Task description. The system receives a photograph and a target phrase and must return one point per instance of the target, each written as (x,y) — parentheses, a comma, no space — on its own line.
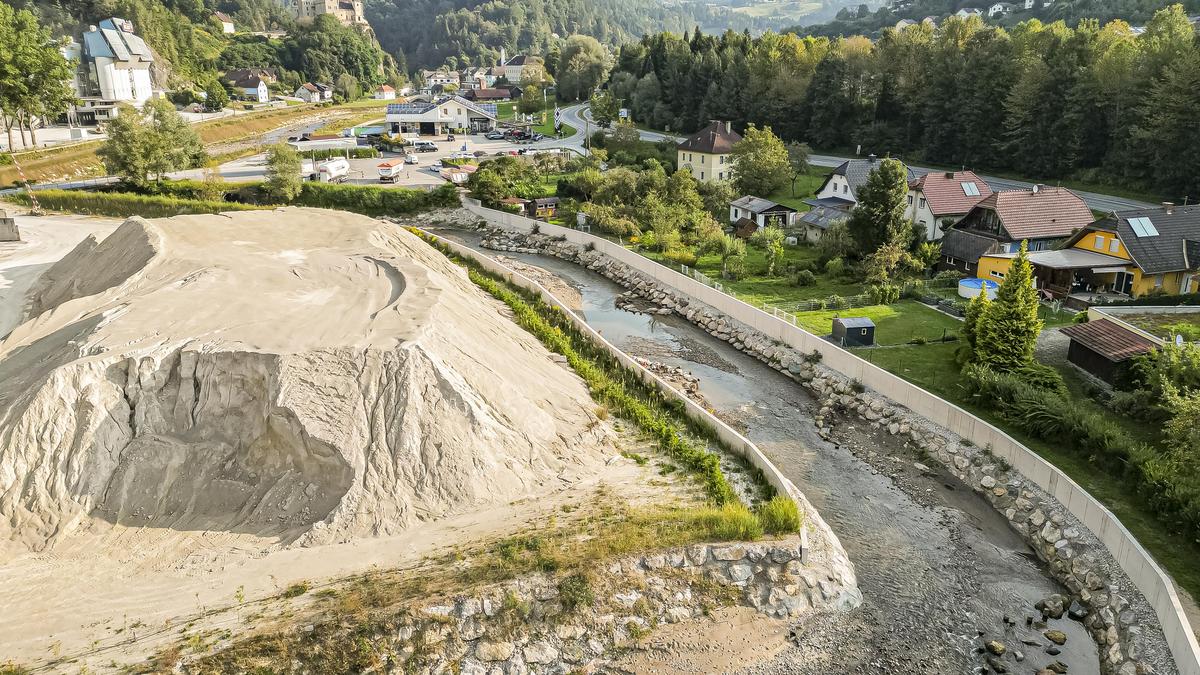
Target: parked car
(449,138)
(494,135)
(537,137)
(425,146)
(410,159)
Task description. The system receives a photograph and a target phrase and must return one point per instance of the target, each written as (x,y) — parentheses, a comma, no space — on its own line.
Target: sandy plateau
(205,406)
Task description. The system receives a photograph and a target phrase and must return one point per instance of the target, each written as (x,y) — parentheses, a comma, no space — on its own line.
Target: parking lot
(365,171)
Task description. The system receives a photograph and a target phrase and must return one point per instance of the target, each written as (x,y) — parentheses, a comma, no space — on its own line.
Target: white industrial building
(114,68)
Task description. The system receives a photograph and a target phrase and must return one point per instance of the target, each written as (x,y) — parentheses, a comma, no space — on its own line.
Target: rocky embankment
(1122,624)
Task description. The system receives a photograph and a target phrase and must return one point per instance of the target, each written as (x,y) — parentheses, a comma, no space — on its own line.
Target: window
(701,159)
(701,175)
(970,189)
(1098,244)
(1158,280)
(922,202)
(736,214)
(1114,246)
(910,200)
(845,189)
(721,176)
(722,159)
(1142,227)
(998,275)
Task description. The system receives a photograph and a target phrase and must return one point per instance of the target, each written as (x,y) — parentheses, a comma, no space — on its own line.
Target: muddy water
(940,571)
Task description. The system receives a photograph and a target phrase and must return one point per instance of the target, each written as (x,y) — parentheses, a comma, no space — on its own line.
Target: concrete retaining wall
(821,547)
(1124,547)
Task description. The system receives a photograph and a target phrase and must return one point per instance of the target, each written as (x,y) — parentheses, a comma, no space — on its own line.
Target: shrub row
(1169,483)
(375,201)
(360,152)
(125,204)
(624,392)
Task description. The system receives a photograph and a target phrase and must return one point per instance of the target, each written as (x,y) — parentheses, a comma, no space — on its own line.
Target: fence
(1124,547)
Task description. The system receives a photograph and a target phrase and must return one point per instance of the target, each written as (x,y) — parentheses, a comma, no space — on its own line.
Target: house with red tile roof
(939,199)
(1042,216)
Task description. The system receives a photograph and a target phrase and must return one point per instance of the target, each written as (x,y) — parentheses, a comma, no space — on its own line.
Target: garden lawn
(894,324)
(806,186)
(933,368)
(757,288)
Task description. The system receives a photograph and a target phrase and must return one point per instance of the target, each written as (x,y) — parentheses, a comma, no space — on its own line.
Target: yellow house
(706,153)
(1128,254)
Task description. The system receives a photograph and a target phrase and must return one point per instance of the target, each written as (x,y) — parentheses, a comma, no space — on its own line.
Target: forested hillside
(856,21)
(429,33)
(191,48)
(1043,100)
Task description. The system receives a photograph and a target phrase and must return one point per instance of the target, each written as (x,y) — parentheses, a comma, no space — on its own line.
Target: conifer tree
(1006,332)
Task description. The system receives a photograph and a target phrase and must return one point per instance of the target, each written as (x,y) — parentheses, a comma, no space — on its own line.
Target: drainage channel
(940,571)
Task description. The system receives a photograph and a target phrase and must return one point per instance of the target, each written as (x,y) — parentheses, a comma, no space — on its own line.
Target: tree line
(1099,103)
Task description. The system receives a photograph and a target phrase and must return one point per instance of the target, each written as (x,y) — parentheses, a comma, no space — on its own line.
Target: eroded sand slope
(290,377)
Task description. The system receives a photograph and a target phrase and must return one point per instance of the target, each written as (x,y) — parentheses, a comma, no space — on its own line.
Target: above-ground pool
(969,288)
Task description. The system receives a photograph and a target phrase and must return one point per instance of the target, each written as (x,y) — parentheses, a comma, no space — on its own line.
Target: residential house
(326,90)
(931,20)
(967,12)
(813,223)
(439,78)
(445,115)
(1000,9)
(488,94)
(113,68)
(1128,254)
(515,67)
(308,92)
(1030,4)
(225,21)
(385,93)
(940,199)
(761,212)
(841,186)
(250,87)
(267,74)
(541,208)
(706,153)
(998,224)
(905,23)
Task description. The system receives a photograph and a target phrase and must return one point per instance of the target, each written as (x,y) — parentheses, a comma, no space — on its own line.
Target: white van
(424,146)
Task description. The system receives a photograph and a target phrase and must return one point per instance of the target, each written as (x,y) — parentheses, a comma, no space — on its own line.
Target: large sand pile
(290,377)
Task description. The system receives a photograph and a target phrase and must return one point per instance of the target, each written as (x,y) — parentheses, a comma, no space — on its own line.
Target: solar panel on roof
(1142,227)
(970,189)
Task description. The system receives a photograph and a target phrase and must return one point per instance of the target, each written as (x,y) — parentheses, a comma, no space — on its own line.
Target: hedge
(359,152)
(1169,482)
(125,204)
(375,201)
(1158,301)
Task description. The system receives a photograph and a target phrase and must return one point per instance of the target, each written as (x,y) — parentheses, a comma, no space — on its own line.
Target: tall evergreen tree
(1006,332)
(879,216)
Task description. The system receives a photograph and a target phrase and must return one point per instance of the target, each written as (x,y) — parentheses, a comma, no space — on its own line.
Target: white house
(999,9)
(514,68)
(443,116)
(251,87)
(226,22)
(385,93)
(939,199)
(761,212)
(434,78)
(308,92)
(905,23)
(1030,4)
(114,68)
(841,187)
(968,12)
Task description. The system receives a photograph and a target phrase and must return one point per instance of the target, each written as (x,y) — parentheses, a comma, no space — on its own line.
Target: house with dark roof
(514,68)
(840,189)
(940,199)
(248,86)
(1128,254)
(488,94)
(998,224)
(759,213)
(706,153)
(441,116)
(113,68)
(814,222)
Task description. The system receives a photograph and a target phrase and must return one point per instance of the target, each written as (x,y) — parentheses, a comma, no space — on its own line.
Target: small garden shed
(854,331)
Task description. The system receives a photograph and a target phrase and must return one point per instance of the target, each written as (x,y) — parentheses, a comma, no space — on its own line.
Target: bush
(575,591)
(947,276)
(361,152)
(125,204)
(731,522)
(736,267)
(680,256)
(884,294)
(804,278)
(1041,376)
(375,201)
(835,267)
(779,516)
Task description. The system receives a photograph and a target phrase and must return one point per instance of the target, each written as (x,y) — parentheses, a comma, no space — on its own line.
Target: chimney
(1038,187)
(92,29)
(871,158)
(949,174)
(728,127)
(1169,207)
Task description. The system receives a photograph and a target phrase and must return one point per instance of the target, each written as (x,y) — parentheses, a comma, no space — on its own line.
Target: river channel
(940,571)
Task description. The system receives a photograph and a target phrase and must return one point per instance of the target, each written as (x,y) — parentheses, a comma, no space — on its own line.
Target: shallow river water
(939,569)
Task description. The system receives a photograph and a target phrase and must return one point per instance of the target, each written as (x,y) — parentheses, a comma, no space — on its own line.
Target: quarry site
(301,440)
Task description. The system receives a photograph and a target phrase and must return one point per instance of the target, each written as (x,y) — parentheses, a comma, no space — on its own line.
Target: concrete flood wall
(1137,563)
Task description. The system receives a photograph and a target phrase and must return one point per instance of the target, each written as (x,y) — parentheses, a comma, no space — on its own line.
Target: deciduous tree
(760,162)
(283,172)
